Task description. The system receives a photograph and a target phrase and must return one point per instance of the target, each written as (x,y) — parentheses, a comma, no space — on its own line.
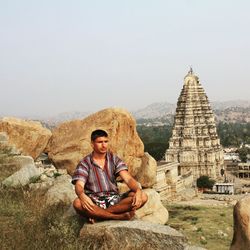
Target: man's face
(100,145)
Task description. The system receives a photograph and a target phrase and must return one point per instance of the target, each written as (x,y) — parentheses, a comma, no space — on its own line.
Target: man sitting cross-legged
(96,187)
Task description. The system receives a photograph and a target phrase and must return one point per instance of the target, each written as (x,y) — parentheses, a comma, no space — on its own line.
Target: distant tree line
(233,134)
(156,138)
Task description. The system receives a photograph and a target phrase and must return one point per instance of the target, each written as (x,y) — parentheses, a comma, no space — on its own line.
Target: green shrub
(205,182)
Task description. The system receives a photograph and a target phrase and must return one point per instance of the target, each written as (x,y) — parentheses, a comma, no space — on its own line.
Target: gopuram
(194,143)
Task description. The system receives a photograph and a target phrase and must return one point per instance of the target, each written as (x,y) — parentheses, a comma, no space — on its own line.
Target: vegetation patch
(155,139)
(25,216)
(26,222)
(203,225)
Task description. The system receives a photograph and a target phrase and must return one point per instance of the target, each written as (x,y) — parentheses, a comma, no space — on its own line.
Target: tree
(243,152)
(205,182)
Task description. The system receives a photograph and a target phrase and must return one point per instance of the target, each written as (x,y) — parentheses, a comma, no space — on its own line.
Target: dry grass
(203,226)
(26,223)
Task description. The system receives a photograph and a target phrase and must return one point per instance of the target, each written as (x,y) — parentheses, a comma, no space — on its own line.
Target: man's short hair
(98,133)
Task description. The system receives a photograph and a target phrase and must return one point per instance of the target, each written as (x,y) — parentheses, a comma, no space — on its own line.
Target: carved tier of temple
(194,142)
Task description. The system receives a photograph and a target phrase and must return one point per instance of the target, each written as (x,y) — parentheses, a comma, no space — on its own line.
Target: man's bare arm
(134,186)
(86,202)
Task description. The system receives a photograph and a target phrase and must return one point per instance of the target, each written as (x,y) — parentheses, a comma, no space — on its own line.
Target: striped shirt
(96,179)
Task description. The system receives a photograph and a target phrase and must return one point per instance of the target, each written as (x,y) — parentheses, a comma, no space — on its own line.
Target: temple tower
(194,142)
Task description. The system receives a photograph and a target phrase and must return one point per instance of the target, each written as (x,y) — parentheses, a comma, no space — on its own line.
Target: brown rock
(29,137)
(147,174)
(71,141)
(241,237)
(134,234)
(153,211)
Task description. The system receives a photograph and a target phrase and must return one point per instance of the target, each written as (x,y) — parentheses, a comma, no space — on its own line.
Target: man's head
(98,133)
(99,141)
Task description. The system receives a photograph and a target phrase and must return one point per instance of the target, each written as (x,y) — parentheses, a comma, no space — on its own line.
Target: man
(96,187)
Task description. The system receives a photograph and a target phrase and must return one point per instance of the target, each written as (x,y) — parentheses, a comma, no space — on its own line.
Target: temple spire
(194,142)
(190,71)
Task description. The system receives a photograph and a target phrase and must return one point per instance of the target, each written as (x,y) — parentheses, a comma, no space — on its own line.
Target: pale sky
(59,56)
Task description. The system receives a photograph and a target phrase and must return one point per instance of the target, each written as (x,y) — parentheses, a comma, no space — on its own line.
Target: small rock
(62,171)
(43,177)
(50,173)
(203,238)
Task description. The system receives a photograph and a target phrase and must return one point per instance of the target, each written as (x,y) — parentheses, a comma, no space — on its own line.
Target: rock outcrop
(153,211)
(62,191)
(29,137)
(71,141)
(241,237)
(23,176)
(131,235)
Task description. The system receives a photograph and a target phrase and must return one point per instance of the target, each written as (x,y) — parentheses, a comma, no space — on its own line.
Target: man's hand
(137,199)
(134,186)
(86,202)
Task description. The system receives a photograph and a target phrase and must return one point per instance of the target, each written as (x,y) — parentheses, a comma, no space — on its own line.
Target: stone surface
(62,191)
(194,142)
(7,150)
(29,137)
(134,235)
(241,236)
(153,211)
(71,141)
(21,160)
(194,248)
(147,174)
(3,137)
(188,194)
(23,176)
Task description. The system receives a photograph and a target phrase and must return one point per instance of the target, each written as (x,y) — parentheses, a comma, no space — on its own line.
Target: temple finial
(190,71)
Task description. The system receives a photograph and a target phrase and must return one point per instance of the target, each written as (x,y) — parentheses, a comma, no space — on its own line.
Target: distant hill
(162,112)
(155,110)
(230,104)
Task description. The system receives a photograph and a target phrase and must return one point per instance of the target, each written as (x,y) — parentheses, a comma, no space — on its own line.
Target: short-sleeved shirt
(96,179)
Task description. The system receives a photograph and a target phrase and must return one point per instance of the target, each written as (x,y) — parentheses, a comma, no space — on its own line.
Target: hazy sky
(58,55)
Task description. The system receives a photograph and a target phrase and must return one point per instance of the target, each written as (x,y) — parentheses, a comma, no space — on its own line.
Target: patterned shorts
(107,200)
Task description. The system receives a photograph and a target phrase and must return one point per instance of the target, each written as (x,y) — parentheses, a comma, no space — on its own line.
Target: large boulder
(147,173)
(241,237)
(25,175)
(131,235)
(61,192)
(29,137)
(153,211)
(70,141)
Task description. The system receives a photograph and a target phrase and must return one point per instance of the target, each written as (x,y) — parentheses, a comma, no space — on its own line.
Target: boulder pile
(29,137)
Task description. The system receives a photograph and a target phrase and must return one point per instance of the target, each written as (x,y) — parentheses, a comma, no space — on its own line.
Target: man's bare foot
(127,215)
